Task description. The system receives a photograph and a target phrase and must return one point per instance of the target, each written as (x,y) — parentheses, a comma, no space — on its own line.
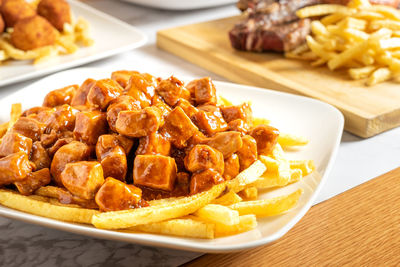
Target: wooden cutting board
(359,227)
(367,110)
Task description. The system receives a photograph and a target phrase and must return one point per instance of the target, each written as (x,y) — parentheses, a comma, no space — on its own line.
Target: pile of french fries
(67,42)
(360,37)
(226,209)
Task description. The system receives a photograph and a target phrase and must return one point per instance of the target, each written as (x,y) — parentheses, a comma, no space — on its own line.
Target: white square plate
(320,122)
(111,36)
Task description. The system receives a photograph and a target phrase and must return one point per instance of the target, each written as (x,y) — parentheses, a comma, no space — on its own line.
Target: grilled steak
(254,36)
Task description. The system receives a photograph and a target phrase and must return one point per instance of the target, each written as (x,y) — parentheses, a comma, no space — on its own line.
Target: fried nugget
(15,10)
(57,12)
(33,32)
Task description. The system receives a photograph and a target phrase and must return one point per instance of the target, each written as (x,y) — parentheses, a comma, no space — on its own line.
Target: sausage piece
(72,152)
(266,137)
(39,156)
(122,76)
(242,112)
(60,96)
(225,142)
(62,119)
(80,97)
(114,163)
(209,120)
(248,152)
(203,157)
(178,127)
(14,142)
(14,168)
(29,127)
(138,123)
(188,108)
(170,90)
(107,142)
(115,195)
(89,125)
(204,180)
(204,91)
(83,178)
(103,92)
(155,171)
(33,181)
(232,167)
(121,103)
(154,144)
(238,125)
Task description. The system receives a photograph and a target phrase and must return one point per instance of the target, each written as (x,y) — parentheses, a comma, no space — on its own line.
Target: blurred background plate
(181,4)
(111,36)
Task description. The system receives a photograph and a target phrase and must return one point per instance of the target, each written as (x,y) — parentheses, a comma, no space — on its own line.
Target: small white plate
(181,4)
(320,122)
(111,36)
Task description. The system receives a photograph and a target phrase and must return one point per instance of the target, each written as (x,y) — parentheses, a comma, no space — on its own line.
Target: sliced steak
(252,36)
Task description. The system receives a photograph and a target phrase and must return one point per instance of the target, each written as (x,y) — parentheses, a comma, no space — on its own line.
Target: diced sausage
(154,171)
(142,82)
(232,167)
(179,157)
(14,142)
(34,111)
(238,125)
(209,120)
(188,108)
(203,157)
(62,119)
(158,102)
(266,137)
(248,152)
(14,168)
(60,96)
(29,127)
(107,142)
(170,90)
(182,183)
(83,178)
(202,181)
(114,163)
(242,112)
(33,181)
(41,114)
(197,138)
(89,125)
(39,156)
(58,144)
(72,152)
(204,91)
(122,76)
(225,142)
(103,92)
(138,123)
(80,97)
(115,195)
(154,144)
(178,127)
(121,103)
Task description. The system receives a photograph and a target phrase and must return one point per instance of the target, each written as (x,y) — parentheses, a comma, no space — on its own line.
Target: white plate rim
(192,246)
(87,59)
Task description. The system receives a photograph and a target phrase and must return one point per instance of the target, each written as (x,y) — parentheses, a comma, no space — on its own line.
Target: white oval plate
(321,123)
(111,36)
(181,4)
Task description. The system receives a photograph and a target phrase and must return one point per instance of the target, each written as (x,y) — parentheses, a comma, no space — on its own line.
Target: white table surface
(23,244)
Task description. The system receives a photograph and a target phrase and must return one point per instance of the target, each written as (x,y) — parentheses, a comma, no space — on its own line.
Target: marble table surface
(22,244)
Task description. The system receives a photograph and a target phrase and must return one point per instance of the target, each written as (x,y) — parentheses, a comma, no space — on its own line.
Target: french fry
(288,140)
(318,28)
(178,207)
(3,129)
(249,193)
(306,166)
(347,55)
(295,175)
(283,166)
(185,227)
(321,10)
(247,176)
(246,223)
(268,207)
(39,207)
(259,121)
(361,73)
(223,101)
(271,164)
(379,75)
(218,214)
(227,199)
(15,113)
